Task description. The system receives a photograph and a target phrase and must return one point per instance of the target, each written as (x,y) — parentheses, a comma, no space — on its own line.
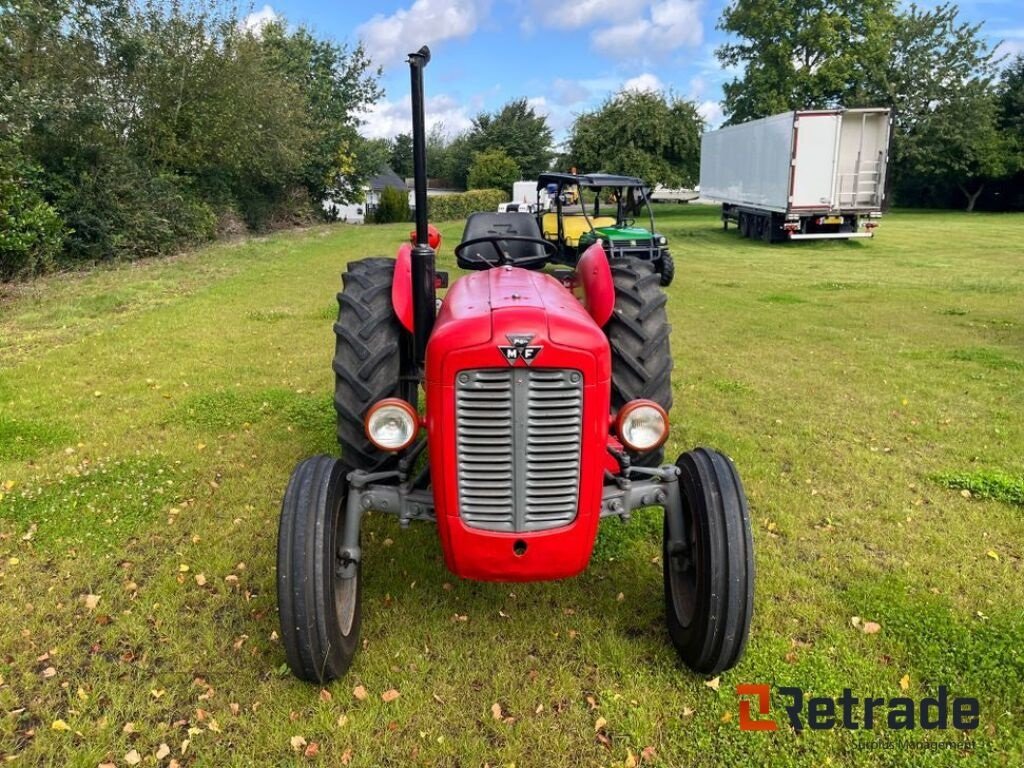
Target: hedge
(459,206)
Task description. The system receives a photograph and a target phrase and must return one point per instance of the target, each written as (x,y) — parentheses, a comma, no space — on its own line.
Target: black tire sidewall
(714,504)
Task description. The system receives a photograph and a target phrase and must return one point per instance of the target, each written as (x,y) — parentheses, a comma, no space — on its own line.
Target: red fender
(595,277)
(401,286)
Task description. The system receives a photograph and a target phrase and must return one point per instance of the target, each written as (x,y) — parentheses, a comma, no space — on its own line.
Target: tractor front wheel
(709,576)
(319,609)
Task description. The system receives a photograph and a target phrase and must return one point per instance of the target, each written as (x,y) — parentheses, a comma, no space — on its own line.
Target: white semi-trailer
(800,175)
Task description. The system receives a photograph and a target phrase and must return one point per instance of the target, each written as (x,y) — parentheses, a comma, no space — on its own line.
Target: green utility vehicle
(586,208)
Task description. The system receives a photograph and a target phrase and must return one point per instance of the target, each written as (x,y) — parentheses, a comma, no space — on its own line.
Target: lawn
(870,393)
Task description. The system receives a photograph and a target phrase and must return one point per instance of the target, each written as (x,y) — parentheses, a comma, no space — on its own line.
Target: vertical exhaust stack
(424,295)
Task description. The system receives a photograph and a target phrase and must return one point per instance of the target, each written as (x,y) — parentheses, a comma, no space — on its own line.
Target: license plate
(832,220)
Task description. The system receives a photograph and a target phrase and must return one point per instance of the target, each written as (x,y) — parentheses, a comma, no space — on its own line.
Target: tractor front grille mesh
(518,433)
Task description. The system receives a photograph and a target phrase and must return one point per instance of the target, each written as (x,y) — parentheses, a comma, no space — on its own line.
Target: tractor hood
(489,311)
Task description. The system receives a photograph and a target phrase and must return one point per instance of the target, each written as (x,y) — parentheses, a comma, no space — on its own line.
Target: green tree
(400,155)
(1011,106)
(31,232)
(493,169)
(517,130)
(640,134)
(958,143)
(798,54)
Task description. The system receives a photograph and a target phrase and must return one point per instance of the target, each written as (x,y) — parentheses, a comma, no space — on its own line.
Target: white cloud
(672,24)
(569,92)
(581,13)
(389,38)
(257,20)
(712,113)
(389,118)
(644,82)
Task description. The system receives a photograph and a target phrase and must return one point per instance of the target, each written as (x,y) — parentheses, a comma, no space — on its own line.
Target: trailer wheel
(709,584)
(668,269)
(372,355)
(638,332)
(319,611)
(744,225)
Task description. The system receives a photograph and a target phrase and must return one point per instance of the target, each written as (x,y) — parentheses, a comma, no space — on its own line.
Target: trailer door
(816,140)
(863,147)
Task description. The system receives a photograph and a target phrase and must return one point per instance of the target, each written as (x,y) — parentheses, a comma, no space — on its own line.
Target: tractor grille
(517,437)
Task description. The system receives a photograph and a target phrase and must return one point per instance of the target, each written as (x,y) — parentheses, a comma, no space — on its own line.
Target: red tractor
(546,408)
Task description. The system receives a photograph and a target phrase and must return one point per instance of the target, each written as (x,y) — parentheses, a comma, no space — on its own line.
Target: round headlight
(662,240)
(392,424)
(642,425)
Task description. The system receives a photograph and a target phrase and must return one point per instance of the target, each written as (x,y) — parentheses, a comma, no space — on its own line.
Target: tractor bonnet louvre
(518,436)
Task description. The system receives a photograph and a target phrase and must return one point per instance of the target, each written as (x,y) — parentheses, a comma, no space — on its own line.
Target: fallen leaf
(389,695)
(713,683)
(871,628)
(591,702)
(539,709)
(905,682)
(60,725)
(156,693)
(687,711)
(993,554)
(600,723)
(360,693)
(342,720)
(201,579)
(346,757)
(325,695)
(855,621)
(128,728)
(496,711)
(312,750)
(162,751)
(49,672)
(630,759)
(727,717)
(297,742)
(235,709)
(648,754)
(620,597)
(213,726)
(133,757)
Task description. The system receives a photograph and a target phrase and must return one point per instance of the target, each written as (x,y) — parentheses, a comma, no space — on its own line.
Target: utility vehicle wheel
(319,610)
(372,358)
(668,269)
(638,332)
(709,587)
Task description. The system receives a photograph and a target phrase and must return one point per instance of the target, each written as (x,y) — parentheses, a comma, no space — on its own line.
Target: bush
(450,207)
(31,232)
(493,169)
(119,209)
(393,206)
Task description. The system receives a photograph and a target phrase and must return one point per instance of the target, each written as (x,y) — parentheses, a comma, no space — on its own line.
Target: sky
(564,57)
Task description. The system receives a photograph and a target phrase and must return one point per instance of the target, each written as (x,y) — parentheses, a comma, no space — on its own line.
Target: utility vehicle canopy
(589,180)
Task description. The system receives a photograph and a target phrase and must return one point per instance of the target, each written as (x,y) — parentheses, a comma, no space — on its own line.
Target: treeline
(498,149)
(132,128)
(958,137)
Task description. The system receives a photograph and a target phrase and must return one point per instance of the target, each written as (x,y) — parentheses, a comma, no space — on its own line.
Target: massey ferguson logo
(519,348)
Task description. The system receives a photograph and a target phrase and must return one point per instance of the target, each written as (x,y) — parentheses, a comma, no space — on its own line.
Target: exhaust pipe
(424,296)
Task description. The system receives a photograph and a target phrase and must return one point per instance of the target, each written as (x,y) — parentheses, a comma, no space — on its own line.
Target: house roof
(387,178)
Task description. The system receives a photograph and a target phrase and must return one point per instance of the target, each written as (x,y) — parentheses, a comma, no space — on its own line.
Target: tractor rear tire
(319,611)
(372,355)
(638,332)
(668,269)
(709,587)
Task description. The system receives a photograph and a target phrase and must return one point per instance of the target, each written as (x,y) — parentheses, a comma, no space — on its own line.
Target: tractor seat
(574,225)
(527,255)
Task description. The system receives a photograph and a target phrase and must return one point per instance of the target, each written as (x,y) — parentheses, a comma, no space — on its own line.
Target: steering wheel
(495,241)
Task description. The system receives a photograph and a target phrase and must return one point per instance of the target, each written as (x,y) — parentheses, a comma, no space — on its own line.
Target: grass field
(871,394)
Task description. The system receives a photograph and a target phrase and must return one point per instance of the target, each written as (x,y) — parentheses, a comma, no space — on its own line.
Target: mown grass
(150,416)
